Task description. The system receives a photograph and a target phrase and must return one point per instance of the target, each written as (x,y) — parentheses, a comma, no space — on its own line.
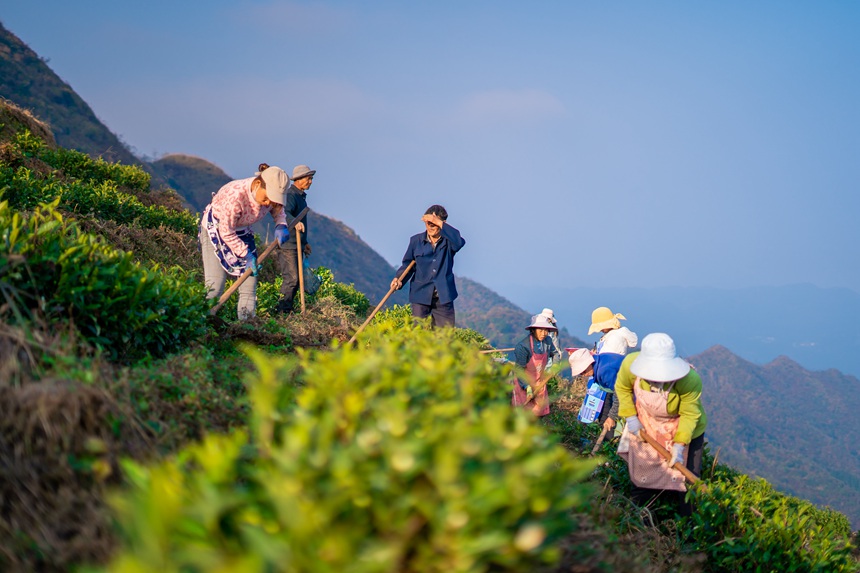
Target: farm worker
(288,262)
(616,338)
(604,369)
(226,240)
(553,334)
(659,393)
(433,290)
(532,353)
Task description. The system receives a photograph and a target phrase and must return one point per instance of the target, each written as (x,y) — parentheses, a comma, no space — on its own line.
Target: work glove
(251,263)
(677,454)
(282,234)
(634,425)
(307,249)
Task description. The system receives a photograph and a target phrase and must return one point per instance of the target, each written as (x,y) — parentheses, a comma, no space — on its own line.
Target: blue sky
(580,144)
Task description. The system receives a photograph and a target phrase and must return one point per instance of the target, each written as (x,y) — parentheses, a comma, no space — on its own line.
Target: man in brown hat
(288,262)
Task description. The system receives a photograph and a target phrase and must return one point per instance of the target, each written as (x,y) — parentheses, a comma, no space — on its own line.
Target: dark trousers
(288,267)
(643,496)
(440,314)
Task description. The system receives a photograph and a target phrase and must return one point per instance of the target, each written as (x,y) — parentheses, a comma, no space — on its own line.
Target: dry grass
(163,246)
(13,119)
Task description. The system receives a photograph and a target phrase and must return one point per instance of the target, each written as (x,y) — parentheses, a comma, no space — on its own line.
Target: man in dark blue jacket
(432,291)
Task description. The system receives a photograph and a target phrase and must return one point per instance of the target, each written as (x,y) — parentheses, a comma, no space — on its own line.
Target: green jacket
(685,400)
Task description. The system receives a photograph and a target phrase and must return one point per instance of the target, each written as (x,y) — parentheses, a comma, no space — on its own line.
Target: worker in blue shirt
(432,291)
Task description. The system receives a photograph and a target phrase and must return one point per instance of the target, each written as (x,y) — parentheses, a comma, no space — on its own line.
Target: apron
(534,369)
(647,468)
(230,262)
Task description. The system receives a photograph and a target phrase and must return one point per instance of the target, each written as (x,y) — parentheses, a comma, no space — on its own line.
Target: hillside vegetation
(138,435)
(27,80)
(795,427)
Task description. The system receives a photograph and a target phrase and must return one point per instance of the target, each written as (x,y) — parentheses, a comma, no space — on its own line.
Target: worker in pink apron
(532,354)
(659,393)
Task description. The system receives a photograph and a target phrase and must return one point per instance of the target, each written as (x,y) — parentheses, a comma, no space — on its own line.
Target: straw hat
(579,360)
(541,321)
(658,361)
(603,318)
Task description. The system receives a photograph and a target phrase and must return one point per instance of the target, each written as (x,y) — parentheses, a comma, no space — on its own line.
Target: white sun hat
(579,360)
(541,321)
(658,361)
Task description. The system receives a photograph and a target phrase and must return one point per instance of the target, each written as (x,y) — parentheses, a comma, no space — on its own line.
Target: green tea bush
(80,165)
(743,524)
(95,193)
(404,455)
(347,294)
(48,266)
(269,293)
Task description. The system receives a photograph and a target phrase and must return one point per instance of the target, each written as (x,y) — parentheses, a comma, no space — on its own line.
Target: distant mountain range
(792,426)
(810,324)
(796,428)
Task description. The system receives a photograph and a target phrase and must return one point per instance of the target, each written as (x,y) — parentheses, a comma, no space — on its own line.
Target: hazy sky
(585,144)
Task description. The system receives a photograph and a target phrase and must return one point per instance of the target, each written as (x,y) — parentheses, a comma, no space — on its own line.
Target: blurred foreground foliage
(402,456)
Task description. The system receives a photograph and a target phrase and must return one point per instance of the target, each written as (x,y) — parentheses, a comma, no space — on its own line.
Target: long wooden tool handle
(496,350)
(224,297)
(301,269)
(691,477)
(378,306)
(599,441)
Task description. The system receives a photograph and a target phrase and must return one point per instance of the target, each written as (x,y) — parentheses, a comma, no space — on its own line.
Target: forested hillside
(27,80)
(797,429)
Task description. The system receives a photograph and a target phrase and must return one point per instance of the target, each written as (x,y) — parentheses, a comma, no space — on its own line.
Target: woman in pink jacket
(226,238)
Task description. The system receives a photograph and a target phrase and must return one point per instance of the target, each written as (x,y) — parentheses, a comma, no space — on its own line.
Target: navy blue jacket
(434,268)
(296,201)
(606,367)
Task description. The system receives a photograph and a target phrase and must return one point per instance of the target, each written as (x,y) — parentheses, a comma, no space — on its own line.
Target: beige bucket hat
(302,171)
(602,318)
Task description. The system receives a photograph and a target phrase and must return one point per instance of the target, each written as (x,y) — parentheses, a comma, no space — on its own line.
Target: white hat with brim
(658,361)
(579,361)
(541,321)
(547,312)
(276,181)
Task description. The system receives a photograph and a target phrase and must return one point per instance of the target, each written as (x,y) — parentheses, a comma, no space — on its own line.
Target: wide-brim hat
(602,318)
(579,360)
(547,312)
(276,181)
(302,171)
(658,361)
(541,321)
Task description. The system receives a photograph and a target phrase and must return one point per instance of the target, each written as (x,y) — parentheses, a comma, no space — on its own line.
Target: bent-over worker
(432,290)
(604,369)
(226,239)
(659,393)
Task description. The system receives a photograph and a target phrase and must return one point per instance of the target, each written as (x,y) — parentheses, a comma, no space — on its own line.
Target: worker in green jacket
(659,393)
